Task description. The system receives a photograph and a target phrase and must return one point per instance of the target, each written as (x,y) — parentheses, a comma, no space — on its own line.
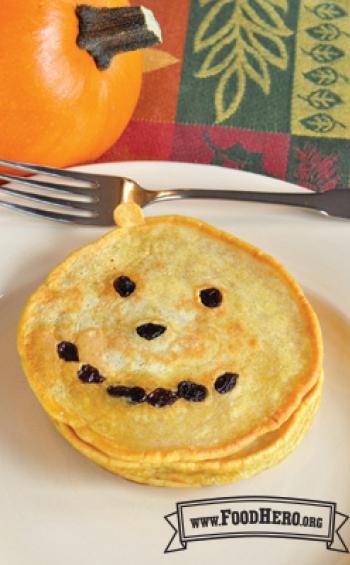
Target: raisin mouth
(160,397)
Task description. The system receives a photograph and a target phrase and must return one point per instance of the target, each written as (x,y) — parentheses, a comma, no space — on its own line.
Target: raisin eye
(211,297)
(124,286)
(226,382)
(67,351)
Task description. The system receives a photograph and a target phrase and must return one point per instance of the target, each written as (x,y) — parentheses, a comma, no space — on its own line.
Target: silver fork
(100,194)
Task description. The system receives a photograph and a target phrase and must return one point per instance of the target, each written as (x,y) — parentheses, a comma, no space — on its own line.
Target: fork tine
(70,218)
(48,185)
(61,202)
(39,169)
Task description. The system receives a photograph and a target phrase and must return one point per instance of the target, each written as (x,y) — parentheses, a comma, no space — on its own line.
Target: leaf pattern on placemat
(236,156)
(324,32)
(251,39)
(322,99)
(321,123)
(328,11)
(325,53)
(324,76)
(315,170)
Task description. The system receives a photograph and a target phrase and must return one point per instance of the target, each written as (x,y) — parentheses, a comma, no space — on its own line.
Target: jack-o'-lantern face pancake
(169,340)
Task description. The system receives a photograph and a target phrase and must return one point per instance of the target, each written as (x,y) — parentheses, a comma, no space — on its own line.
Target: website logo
(256,516)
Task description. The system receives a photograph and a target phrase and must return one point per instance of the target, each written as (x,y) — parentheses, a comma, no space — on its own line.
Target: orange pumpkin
(56,106)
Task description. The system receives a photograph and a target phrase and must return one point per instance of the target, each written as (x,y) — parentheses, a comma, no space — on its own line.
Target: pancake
(169,341)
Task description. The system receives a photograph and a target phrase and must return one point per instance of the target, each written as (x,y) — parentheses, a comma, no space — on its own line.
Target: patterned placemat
(259,85)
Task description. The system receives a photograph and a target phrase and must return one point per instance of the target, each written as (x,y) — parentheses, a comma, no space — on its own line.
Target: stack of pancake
(174,354)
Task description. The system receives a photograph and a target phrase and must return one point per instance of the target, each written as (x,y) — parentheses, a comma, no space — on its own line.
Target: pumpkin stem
(104,32)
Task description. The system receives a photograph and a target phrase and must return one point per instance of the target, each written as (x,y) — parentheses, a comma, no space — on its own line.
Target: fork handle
(304,200)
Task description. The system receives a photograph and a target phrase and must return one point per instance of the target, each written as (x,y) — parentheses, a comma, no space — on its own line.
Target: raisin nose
(150,331)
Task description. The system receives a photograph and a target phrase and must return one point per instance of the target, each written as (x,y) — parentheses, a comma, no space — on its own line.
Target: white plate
(56,507)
